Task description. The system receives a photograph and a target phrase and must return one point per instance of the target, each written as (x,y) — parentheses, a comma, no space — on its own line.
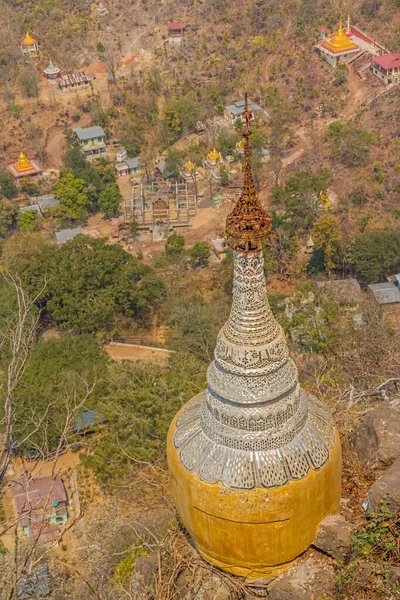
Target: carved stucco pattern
(253,426)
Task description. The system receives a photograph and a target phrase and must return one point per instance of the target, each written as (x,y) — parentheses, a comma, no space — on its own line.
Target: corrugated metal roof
(65,235)
(88,133)
(133,163)
(385,293)
(38,493)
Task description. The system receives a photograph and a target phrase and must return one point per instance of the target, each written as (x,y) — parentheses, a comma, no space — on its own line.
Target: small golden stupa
(23,164)
(340,42)
(255,460)
(214,156)
(189,166)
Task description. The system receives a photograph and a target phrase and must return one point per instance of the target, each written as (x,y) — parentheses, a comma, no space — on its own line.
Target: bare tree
(111,65)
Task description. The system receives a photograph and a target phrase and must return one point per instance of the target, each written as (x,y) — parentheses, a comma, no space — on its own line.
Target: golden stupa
(214,155)
(28,40)
(340,42)
(189,166)
(255,461)
(23,164)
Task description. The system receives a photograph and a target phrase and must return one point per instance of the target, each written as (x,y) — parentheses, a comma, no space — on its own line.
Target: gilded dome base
(254,533)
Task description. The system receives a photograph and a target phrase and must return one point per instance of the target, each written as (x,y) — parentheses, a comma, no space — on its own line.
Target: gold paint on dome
(339,42)
(23,164)
(248,226)
(189,166)
(28,40)
(214,155)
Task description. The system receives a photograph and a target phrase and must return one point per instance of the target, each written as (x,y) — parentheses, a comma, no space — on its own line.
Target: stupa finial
(248,227)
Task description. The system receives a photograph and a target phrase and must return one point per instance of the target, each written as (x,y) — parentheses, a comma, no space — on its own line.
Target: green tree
(173,163)
(73,200)
(28,221)
(8,214)
(175,246)
(350,144)
(376,254)
(199,254)
(29,83)
(298,198)
(92,286)
(57,368)
(110,199)
(227,142)
(7,185)
(224,174)
(326,236)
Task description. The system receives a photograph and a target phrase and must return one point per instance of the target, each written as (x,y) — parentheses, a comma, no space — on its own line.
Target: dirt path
(118,351)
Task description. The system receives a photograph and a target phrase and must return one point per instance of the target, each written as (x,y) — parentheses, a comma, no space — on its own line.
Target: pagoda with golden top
(29,45)
(339,47)
(255,460)
(24,167)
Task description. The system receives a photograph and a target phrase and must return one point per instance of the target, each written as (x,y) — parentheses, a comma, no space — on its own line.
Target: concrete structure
(338,48)
(72,81)
(41,205)
(127,167)
(102,10)
(41,505)
(176,32)
(387,67)
(65,235)
(24,167)
(51,71)
(385,293)
(121,155)
(255,460)
(29,45)
(91,139)
(237,109)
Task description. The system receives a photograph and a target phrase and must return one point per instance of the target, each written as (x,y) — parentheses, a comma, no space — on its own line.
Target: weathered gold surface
(23,164)
(254,533)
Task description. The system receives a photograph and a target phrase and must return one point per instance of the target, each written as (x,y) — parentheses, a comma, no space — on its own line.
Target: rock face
(334,536)
(144,576)
(377,439)
(386,488)
(303,582)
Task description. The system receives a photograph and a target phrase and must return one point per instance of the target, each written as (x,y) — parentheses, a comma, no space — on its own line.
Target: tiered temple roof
(339,42)
(28,40)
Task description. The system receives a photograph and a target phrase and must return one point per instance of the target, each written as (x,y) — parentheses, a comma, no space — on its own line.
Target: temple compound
(348,45)
(255,460)
(24,167)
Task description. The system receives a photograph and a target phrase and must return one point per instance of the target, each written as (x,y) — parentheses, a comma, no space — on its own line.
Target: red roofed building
(175,32)
(387,67)
(324,33)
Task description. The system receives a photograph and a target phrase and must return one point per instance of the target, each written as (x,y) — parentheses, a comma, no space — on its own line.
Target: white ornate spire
(254,426)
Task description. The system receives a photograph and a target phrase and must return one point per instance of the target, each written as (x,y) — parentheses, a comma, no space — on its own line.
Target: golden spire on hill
(189,166)
(23,164)
(339,42)
(28,40)
(214,155)
(248,226)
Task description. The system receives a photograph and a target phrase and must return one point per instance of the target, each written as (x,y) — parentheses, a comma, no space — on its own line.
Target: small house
(129,166)
(65,235)
(91,139)
(176,32)
(41,505)
(24,167)
(41,205)
(51,71)
(324,33)
(235,111)
(72,81)
(385,293)
(29,45)
(121,155)
(387,67)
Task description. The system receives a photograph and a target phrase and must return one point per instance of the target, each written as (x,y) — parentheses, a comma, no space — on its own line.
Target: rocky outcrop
(377,438)
(303,582)
(334,537)
(386,489)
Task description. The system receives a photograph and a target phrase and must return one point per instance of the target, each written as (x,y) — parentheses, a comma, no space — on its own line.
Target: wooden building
(387,67)
(92,139)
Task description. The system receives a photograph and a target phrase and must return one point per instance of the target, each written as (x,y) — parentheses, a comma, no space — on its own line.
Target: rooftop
(88,133)
(65,235)
(176,25)
(388,61)
(133,163)
(385,293)
(38,493)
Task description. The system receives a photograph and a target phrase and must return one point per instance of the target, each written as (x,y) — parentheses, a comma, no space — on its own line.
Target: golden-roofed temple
(24,167)
(189,167)
(255,460)
(214,156)
(28,44)
(339,47)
